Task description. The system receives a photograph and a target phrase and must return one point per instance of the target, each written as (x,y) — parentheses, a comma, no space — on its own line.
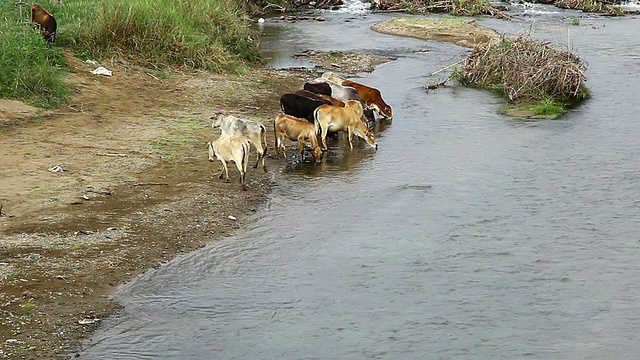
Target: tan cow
(294,129)
(45,22)
(348,118)
(231,148)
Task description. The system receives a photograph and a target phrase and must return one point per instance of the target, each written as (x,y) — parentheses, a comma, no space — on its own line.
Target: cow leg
(226,171)
(350,133)
(221,170)
(243,173)
(301,145)
(323,137)
(264,153)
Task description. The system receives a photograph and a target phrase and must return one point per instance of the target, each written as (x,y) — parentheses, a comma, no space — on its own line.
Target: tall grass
(160,34)
(29,69)
(194,34)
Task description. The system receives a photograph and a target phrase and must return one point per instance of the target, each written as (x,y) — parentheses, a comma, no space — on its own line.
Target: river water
(466,235)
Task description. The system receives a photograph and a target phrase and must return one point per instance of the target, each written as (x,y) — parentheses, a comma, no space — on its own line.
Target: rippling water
(467,235)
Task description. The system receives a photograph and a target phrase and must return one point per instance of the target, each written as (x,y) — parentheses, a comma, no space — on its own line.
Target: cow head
(385,110)
(316,154)
(370,139)
(217,120)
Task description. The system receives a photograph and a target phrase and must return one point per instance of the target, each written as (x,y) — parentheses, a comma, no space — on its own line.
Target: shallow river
(467,235)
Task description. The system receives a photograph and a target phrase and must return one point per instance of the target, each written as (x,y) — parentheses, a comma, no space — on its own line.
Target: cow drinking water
(295,129)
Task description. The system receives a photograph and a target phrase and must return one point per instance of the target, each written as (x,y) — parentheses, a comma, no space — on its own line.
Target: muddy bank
(460,31)
(135,190)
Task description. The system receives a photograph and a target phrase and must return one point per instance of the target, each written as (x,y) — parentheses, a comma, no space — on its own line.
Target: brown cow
(295,129)
(349,119)
(45,22)
(372,97)
(369,95)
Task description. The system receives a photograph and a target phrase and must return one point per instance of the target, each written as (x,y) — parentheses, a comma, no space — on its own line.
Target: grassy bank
(535,78)
(29,69)
(157,34)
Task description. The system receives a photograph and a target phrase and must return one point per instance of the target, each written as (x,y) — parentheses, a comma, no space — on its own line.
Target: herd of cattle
(325,105)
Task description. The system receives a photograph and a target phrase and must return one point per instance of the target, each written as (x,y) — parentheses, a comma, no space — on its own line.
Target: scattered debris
(105,193)
(56,169)
(112,154)
(102,71)
(88,321)
(92,62)
(231,217)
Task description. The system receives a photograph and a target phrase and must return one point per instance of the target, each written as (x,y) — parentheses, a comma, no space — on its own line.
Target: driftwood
(149,183)
(111,154)
(442,6)
(430,86)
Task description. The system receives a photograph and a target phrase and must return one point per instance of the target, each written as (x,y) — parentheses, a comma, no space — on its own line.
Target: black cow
(299,106)
(318,88)
(314,96)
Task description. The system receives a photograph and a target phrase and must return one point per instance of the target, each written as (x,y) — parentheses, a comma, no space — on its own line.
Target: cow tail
(316,123)
(264,138)
(275,134)
(246,147)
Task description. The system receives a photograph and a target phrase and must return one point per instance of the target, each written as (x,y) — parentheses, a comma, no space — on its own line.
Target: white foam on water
(355,7)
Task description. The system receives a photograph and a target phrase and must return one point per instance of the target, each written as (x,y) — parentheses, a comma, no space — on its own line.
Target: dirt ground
(116,183)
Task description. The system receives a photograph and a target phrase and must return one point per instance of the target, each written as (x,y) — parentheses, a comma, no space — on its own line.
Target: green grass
(544,109)
(29,69)
(156,34)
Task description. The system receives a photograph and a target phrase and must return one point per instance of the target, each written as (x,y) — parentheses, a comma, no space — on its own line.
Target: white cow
(252,130)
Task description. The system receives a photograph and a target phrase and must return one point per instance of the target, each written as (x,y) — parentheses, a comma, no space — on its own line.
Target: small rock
(319,18)
(88,321)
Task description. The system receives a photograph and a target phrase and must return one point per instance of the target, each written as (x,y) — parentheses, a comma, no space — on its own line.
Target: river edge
(136,189)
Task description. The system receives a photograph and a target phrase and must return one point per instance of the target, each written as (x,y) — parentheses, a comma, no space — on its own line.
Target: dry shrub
(525,70)
(454,7)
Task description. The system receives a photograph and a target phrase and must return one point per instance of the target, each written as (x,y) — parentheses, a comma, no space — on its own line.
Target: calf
(295,129)
(252,130)
(231,148)
(299,106)
(45,22)
(333,118)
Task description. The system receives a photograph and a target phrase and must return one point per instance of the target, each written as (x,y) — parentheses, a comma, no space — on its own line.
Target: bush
(525,70)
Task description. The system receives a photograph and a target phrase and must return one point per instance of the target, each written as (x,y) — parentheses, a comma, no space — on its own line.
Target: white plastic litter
(56,169)
(92,62)
(102,71)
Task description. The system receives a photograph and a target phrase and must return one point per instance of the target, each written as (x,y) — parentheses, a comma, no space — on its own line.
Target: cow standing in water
(45,22)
